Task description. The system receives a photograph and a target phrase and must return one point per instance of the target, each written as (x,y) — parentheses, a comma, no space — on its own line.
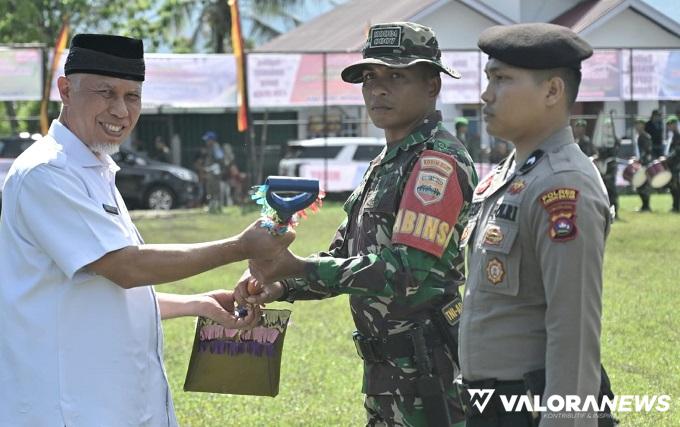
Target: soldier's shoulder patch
(560,204)
(430,204)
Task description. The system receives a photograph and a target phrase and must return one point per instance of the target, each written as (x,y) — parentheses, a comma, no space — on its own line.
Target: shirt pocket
(500,266)
(382,198)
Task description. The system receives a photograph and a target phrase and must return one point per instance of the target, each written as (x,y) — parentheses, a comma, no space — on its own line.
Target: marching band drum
(658,173)
(635,173)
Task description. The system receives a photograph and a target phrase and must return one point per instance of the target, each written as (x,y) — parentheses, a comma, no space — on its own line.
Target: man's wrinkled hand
(285,265)
(219,306)
(249,291)
(257,242)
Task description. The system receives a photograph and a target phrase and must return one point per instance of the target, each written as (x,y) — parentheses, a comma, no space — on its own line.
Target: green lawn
(321,374)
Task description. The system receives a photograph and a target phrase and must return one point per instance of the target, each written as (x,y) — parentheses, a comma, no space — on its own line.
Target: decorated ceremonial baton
(284,198)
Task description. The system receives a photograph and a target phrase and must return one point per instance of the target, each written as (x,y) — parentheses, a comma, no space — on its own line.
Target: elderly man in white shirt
(81,341)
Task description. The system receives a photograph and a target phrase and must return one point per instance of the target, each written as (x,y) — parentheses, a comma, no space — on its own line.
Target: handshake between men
(266,254)
(260,283)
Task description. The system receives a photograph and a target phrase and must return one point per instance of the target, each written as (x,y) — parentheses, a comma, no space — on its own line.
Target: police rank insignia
(560,204)
(493,236)
(430,205)
(517,186)
(495,271)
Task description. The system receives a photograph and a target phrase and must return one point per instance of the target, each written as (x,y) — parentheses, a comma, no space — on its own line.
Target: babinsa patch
(430,187)
(430,205)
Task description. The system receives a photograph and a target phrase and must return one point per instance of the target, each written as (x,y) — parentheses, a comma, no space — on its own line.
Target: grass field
(321,374)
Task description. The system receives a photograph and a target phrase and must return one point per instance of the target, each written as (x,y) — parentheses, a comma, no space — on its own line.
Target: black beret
(107,55)
(535,46)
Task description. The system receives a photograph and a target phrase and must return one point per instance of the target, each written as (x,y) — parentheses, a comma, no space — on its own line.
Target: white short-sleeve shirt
(75,348)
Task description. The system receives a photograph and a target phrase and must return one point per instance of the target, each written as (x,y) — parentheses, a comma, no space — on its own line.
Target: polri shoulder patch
(558,196)
(560,204)
(430,204)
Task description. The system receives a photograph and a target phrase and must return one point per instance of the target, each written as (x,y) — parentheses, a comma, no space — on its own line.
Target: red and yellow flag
(239,56)
(59,46)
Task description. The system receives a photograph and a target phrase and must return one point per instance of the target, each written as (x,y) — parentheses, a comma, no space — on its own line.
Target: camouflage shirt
(392,286)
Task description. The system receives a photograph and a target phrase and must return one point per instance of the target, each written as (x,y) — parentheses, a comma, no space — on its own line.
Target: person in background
(461,125)
(213,166)
(654,127)
(199,165)
(138,147)
(471,142)
(583,140)
(161,151)
(644,146)
(673,161)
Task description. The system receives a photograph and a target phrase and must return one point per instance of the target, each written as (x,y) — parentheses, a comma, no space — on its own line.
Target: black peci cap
(107,55)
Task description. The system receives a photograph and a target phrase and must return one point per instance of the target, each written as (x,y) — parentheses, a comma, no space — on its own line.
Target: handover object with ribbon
(234,361)
(284,199)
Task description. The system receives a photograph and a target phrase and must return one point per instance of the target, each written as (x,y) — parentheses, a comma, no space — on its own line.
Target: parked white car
(341,160)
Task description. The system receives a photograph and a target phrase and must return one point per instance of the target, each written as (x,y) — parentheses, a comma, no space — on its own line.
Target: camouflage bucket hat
(398,45)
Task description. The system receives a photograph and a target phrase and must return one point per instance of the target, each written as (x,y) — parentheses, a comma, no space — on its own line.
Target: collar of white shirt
(77,151)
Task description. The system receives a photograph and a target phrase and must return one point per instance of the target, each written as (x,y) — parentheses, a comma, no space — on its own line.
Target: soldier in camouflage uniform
(396,254)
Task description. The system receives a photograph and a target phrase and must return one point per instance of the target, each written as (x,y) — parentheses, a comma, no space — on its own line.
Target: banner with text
(297,80)
(601,77)
(182,81)
(281,80)
(655,75)
(21,74)
(465,90)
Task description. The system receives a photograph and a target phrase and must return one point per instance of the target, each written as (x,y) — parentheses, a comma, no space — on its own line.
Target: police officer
(536,236)
(644,144)
(396,254)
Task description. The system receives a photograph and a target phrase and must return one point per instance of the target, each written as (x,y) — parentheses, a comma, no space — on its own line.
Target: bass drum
(658,173)
(635,173)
